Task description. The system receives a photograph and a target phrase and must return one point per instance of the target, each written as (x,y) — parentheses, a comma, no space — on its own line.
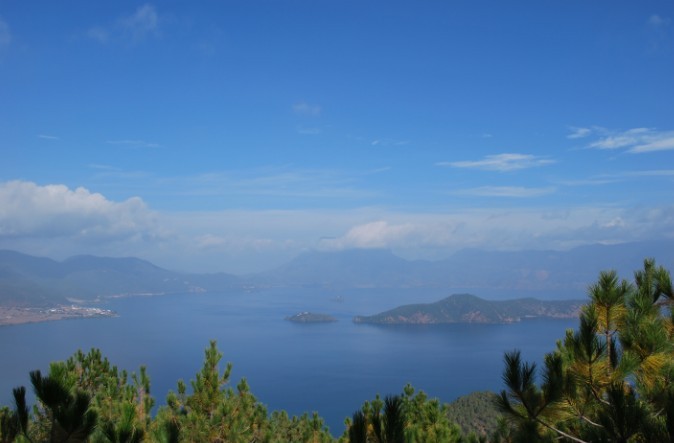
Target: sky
(232,136)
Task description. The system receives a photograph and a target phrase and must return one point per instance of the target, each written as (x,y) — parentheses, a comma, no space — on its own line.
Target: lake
(331,368)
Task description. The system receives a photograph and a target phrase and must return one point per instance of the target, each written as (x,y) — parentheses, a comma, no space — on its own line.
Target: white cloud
(621,139)
(505,191)
(663,142)
(637,140)
(501,162)
(388,142)
(588,182)
(304,108)
(377,234)
(431,236)
(57,221)
(5,34)
(28,210)
(579,132)
(48,137)
(145,21)
(613,223)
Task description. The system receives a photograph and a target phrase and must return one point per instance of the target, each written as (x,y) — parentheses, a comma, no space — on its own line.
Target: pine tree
(611,380)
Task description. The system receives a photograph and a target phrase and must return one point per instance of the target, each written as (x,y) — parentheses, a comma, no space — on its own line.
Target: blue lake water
(330,368)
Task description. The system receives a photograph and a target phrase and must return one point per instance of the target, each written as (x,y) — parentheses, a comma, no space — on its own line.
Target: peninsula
(467,308)
(12,315)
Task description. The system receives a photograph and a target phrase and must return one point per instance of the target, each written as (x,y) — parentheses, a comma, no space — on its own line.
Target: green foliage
(612,379)
(216,412)
(402,418)
(14,423)
(69,415)
(475,413)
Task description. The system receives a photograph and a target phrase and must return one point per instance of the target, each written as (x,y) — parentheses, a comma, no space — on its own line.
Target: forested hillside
(475,413)
(467,308)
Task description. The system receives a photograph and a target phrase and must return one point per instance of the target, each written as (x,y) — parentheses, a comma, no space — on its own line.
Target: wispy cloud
(304,108)
(5,34)
(660,33)
(658,21)
(579,132)
(587,182)
(48,137)
(505,191)
(651,173)
(99,34)
(660,142)
(616,177)
(388,142)
(144,22)
(501,162)
(276,181)
(134,143)
(623,139)
(636,140)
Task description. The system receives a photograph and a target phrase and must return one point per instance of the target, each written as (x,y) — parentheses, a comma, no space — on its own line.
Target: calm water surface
(330,368)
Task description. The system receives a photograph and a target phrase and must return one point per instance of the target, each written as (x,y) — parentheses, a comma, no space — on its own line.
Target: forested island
(467,308)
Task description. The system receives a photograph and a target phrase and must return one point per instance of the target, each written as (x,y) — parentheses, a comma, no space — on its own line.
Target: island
(310,317)
(467,308)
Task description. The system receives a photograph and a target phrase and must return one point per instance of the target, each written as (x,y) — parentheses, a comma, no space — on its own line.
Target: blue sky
(231,136)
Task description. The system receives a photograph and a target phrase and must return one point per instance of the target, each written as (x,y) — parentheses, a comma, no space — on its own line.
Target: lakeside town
(11,315)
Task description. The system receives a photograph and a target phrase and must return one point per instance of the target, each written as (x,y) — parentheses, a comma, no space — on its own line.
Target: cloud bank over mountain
(57,221)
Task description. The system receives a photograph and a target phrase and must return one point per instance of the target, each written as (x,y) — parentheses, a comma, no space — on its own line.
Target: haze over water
(330,368)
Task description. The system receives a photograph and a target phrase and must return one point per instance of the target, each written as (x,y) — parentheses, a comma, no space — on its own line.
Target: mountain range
(37,281)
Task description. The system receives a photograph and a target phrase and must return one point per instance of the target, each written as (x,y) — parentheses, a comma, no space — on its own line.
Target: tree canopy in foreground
(612,380)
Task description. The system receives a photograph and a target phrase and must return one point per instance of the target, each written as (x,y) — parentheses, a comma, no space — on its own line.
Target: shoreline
(14,315)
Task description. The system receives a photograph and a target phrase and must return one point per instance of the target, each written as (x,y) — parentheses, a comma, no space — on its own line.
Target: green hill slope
(467,308)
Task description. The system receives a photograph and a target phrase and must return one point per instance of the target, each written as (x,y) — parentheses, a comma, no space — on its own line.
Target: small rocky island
(311,317)
(467,308)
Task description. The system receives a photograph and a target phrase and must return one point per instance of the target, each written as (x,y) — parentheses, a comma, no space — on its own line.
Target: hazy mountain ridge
(567,273)
(36,281)
(468,308)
